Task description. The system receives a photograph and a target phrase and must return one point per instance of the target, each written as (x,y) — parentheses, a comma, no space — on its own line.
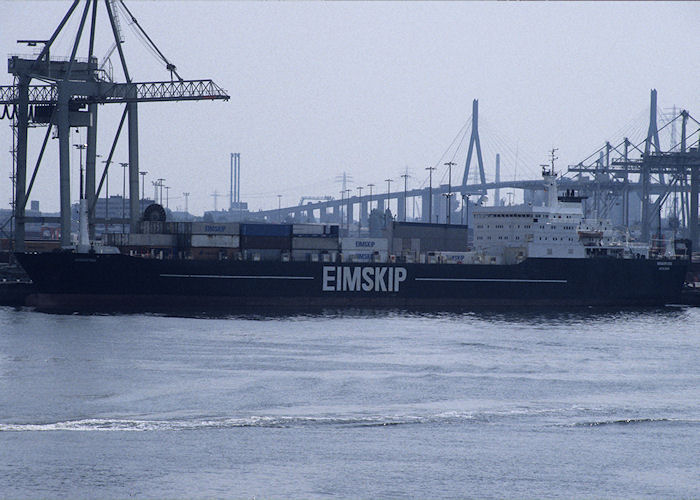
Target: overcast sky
(372,88)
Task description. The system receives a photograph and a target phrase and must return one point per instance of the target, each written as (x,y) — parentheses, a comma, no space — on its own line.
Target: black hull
(68,280)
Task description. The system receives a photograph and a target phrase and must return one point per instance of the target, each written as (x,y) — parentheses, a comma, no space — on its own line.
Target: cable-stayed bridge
(650,169)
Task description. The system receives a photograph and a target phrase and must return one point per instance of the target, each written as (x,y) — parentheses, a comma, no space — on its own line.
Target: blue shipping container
(266,229)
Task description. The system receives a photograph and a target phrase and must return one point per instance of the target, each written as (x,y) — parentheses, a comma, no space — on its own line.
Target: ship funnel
(550,186)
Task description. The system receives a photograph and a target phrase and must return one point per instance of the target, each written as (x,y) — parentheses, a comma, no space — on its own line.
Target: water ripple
(636,421)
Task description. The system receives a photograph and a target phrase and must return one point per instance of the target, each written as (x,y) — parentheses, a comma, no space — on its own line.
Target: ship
(521,255)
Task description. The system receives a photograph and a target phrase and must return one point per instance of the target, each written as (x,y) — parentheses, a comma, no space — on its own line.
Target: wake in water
(445,418)
(636,421)
(99,424)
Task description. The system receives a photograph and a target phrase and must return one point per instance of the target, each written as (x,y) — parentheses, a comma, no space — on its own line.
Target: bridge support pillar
(425,207)
(693,219)
(646,215)
(338,214)
(438,207)
(497,191)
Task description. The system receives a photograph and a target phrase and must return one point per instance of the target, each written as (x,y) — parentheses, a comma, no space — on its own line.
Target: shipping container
(317,243)
(365,256)
(139,240)
(151,240)
(204,253)
(229,228)
(156,227)
(263,254)
(215,240)
(184,241)
(112,239)
(453,257)
(152,227)
(178,227)
(277,230)
(148,253)
(314,256)
(364,244)
(267,242)
(308,229)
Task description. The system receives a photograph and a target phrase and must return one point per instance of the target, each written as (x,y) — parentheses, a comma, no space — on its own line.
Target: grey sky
(373,88)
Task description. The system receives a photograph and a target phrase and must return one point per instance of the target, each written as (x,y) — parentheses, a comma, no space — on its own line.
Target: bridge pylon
(474,143)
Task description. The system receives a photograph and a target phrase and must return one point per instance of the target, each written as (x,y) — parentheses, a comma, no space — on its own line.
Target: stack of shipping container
(265,241)
(314,243)
(218,241)
(365,249)
(291,242)
(209,240)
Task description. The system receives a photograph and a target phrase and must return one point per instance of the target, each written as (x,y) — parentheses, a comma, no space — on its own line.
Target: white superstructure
(513,233)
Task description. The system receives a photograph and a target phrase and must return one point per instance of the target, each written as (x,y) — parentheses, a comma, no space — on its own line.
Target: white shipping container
(364,244)
(452,257)
(366,256)
(216,228)
(216,241)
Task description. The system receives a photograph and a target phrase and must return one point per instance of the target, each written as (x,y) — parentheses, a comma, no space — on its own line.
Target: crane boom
(107,92)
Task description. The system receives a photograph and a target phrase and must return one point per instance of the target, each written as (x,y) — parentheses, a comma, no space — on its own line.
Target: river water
(356,404)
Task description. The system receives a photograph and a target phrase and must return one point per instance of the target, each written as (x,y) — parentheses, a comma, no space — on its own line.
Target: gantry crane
(70,96)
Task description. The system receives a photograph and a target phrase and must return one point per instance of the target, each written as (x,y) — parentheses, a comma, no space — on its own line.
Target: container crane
(70,97)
